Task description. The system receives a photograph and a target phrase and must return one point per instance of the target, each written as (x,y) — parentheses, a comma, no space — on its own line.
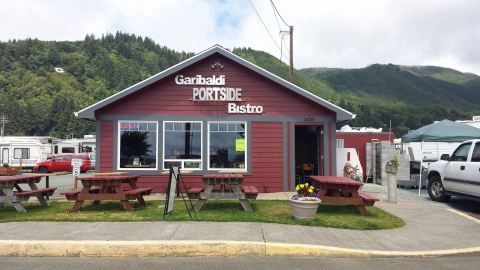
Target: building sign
(215,90)
(200,80)
(217,94)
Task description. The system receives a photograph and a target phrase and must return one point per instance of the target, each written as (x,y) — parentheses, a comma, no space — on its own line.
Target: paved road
(267,263)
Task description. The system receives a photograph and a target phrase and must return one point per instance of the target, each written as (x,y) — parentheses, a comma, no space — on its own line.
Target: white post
(392,187)
(421,168)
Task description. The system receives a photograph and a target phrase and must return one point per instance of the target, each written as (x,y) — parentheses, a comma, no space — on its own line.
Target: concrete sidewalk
(430,230)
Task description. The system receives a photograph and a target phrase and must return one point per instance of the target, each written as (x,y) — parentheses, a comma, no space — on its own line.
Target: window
(21,153)
(68,150)
(226,145)
(137,145)
(461,154)
(476,153)
(56,149)
(182,145)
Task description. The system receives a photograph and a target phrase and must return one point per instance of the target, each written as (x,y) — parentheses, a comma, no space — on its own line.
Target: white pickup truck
(456,175)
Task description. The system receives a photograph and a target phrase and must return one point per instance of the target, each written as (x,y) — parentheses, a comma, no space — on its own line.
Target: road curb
(41,248)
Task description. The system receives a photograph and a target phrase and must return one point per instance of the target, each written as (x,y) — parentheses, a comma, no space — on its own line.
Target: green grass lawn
(274,211)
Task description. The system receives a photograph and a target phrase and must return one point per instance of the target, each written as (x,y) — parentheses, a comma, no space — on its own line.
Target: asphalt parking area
(469,207)
(466,206)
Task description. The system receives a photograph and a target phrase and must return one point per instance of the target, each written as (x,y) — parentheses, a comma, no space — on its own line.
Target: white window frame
(246,146)
(119,137)
(183,160)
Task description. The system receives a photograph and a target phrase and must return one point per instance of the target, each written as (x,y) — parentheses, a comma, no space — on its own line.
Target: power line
(273,4)
(276,17)
(281,33)
(266,28)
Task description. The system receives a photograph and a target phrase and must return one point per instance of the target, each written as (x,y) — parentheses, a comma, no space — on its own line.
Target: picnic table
(342,190)
(11,192)
(108,188)
(47,179)
(225,186)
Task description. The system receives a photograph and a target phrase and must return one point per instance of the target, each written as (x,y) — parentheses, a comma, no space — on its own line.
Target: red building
(215,112)
(359,140)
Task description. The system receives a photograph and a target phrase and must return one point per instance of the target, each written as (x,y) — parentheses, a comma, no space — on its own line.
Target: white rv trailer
(475,122)
(28,150)
(86,144)
(432,151)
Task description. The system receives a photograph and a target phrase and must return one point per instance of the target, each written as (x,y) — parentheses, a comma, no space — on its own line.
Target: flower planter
(304,210)
(9,171)
(391,169)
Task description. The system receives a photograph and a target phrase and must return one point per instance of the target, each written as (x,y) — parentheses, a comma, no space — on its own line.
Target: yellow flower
(297,188)
(302,185)
(306,184)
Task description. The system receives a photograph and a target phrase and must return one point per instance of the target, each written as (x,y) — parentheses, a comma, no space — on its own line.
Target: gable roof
(89,112)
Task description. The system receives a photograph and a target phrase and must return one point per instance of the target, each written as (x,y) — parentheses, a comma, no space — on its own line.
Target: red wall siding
(106,146)
(267,162)
(359,142)
(166,98)
(267,156)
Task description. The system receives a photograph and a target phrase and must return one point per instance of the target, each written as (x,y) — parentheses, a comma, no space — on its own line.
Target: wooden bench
(194,193)
(71,195)
(251,192)
(132,194)
(368,199)
(25,195)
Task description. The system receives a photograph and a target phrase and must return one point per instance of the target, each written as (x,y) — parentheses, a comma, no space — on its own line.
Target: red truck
(62,163)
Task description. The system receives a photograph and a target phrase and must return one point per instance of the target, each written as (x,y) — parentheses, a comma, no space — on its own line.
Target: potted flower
(305,203)
(351,172)
(391,165)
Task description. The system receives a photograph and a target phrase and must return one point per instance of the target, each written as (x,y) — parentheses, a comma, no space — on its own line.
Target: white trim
(183,160)
(245,169)
(119,138)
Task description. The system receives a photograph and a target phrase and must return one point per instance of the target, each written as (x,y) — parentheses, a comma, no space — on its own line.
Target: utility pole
(291,54)
(3,120)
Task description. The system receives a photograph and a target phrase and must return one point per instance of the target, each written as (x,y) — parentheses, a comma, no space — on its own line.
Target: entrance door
(307,152)
(455,169)
(472,173)
(5,155)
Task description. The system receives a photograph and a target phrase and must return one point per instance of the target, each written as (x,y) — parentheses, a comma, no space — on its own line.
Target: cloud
(328,33)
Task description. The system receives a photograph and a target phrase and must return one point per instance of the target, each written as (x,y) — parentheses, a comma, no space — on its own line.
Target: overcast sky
(328,33)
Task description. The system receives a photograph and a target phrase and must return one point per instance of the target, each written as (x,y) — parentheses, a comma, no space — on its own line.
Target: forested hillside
(40,101)
(380,93)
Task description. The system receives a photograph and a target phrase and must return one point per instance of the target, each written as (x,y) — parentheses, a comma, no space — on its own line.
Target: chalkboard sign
(174,181)
(172,187)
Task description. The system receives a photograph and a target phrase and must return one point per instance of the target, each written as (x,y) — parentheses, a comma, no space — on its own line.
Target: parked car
(456,175)
(62,163)
(92,159)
